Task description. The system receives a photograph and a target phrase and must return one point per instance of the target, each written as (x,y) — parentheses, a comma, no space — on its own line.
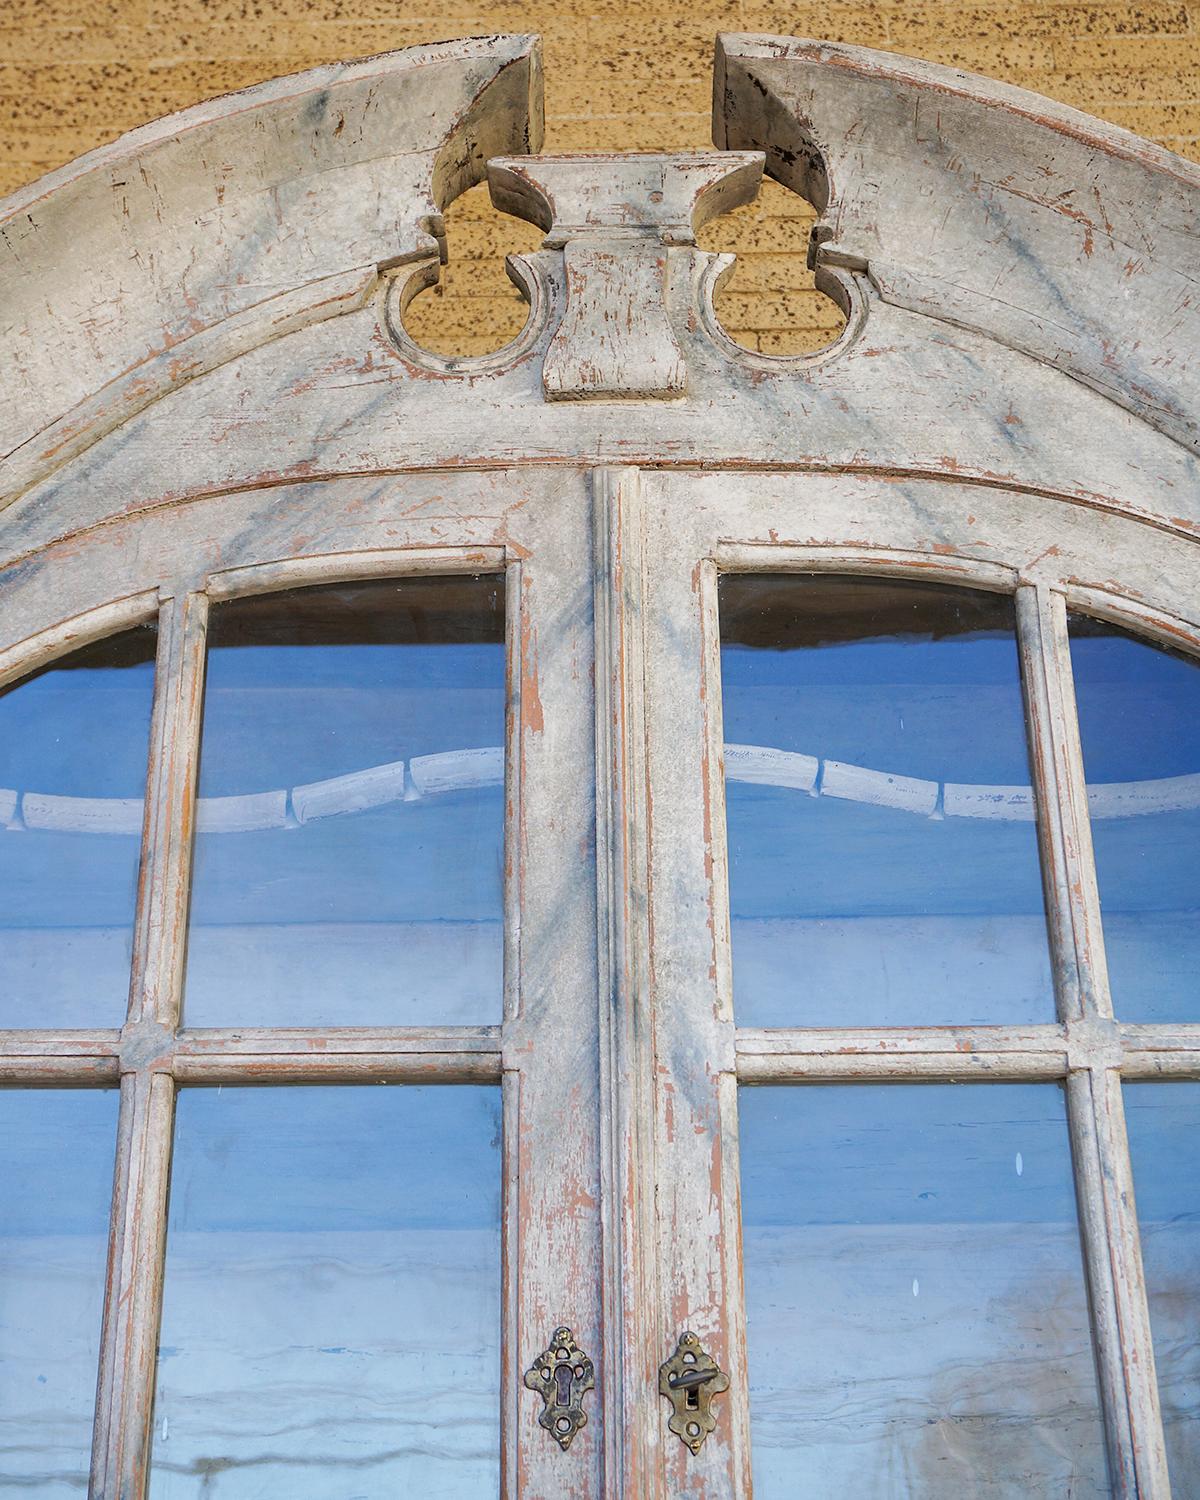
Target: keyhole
(692,1401)
(562,1381)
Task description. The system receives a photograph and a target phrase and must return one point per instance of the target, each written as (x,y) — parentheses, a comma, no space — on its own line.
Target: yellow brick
(1142,54)
(1157,120)
(675,132)
(746,337)
(53,144)
(483,278)
(765,233)
(441,322)
(766,275)
(74,83)
(775,313)
(776,223)
(574,98)
(22,44)
(620,74)
(441,342)
(475,208)
(490,242)
(436,19)
(1092,91)
(999,59)
(16,173)
(719,15)
(911,25)
(92,109)
(310,42)
(750,236)
(798,341)
(656,48)
(36,15)
(863,26)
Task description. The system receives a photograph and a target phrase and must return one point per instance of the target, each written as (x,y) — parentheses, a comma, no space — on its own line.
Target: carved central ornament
(625,227)
(619,266)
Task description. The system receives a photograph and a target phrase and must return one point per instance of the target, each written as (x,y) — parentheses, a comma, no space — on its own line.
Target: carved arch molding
(186,309)
(209,391)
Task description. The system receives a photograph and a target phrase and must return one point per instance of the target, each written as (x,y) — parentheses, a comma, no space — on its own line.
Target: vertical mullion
(628,1158)
(552,1198)
(133,1287)
(691,1098)
(157,983)
(1103,1174)
(1100,1105)
(724,1030)
(511,1364)
(138,1230)
(1072,905)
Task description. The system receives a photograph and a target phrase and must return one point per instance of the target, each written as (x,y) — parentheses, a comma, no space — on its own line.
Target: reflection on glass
(915,1299)
(1139,717)
(331,1315)
(1163,1121)
(56,1165)
(73,746)
(882,844)
(349,854)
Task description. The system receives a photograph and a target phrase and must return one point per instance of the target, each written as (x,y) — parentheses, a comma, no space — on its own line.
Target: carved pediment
(217,301)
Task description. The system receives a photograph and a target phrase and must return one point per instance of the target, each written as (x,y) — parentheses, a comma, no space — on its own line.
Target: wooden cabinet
(483,1087)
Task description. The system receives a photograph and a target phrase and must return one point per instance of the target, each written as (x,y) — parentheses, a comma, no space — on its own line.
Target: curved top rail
(986,206)
(265,207)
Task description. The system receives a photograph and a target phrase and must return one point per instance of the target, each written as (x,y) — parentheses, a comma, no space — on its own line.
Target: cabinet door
(892,1191)
(357,1151)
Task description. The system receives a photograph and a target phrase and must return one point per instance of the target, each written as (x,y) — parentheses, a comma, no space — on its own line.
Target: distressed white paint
(211,392)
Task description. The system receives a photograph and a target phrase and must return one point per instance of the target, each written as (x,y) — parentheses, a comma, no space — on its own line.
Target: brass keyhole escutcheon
(689,1380)
(561,1375)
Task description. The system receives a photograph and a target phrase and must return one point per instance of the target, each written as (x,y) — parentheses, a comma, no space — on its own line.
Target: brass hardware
(562,1375)
(689,1380)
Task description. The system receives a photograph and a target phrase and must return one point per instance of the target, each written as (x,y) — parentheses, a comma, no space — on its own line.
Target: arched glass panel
(73,746)
(1139,720)
(349,864)
(882,837)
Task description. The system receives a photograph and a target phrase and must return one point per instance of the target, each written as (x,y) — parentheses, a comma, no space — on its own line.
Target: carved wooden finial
(625,225)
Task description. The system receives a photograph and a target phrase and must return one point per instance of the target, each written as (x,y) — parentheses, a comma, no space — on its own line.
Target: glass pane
(56,1164)
(1163,1120)
(73,746)
(331,1319)
(883,850)
(349,856)
(1139,717)
(915,1302)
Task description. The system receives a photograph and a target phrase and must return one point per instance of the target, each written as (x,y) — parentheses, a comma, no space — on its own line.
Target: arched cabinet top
(151,259)
(212,395)
(215,304)
(986,206)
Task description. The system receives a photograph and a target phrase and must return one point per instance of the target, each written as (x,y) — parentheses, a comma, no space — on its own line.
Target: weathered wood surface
(972,410)
(625,232)
(211,394)
(988,207)
(147,262)
(1082,408)
(634,1327)
(781,522)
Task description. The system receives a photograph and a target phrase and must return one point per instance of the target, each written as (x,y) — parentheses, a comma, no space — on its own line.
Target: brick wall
(619,75)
